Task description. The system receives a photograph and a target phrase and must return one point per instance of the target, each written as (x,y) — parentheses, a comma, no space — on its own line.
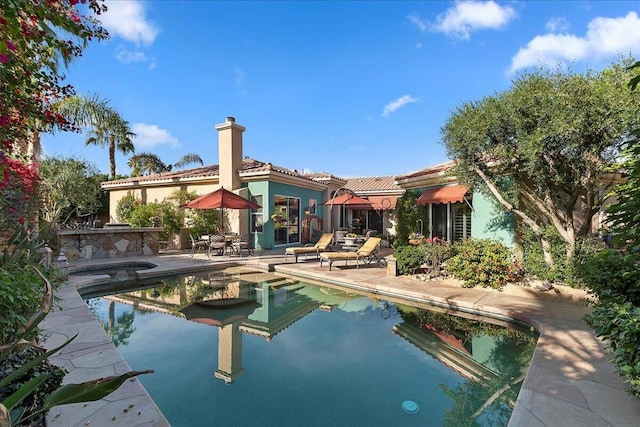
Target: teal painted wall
(489,220)
(269,190)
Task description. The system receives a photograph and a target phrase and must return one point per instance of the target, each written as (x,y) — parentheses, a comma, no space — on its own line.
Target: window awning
(451,193)
(383,202)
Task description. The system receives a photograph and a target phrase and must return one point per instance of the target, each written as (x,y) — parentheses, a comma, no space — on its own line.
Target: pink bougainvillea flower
(3,58)
(10,45)
(11,210)
(21,220)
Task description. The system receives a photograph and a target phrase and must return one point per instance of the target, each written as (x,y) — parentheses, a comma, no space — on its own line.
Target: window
(286,220)
(461,221)
(257,217)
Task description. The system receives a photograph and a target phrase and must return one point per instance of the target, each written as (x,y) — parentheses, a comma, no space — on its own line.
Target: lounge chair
(321,245)
(367,253)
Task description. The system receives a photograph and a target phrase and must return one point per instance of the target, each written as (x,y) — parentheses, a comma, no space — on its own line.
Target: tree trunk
(546,251)
(112,157)
(571,241)
(546,247)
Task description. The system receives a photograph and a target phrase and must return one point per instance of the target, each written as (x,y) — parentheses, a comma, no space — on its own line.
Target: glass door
(286,220)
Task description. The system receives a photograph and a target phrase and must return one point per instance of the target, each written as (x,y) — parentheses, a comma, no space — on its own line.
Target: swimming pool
(268,350)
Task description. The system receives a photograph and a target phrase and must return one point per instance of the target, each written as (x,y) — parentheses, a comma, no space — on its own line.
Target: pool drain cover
(410,406)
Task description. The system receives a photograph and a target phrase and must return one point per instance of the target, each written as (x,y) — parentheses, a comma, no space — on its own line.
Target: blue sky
(351,88)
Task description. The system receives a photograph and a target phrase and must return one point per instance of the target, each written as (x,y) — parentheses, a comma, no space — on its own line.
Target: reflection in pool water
(245,347)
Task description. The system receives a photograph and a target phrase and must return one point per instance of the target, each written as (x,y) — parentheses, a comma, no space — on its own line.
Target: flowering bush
(17,206)
(484,262)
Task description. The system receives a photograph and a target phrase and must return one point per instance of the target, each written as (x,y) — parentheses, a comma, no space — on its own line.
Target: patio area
(570,381)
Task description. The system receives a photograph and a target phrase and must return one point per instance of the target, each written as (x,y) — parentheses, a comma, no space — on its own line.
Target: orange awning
(383,202)
(452,193)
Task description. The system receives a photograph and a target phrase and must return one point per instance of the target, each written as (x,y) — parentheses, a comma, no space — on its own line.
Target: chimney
(229,153)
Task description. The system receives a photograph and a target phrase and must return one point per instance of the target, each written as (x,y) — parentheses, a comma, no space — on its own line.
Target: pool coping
(569,382)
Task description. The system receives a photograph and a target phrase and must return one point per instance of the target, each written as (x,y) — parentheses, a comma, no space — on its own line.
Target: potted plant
(350,239)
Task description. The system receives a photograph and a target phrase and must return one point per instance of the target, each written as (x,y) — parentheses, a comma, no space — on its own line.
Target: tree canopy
(149,163)
(70,187)
(554,135)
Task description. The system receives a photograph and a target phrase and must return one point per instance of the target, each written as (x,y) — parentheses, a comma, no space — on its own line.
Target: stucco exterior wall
(268,191)
(154,194)
(490,221)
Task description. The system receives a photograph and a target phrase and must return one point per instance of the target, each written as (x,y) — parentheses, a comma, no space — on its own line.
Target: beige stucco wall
(154,194)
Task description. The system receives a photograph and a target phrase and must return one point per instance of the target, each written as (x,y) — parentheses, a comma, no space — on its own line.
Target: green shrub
(20,296)
(408,259)
(125,206)
(618,322)
(207,221)
(563,271)
(611,274)
(141,215)
(487,263)
(407,215)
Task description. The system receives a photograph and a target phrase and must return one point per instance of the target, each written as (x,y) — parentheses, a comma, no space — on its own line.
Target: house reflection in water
(468,356)
(242,301)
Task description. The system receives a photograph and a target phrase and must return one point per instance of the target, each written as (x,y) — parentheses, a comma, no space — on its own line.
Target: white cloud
(557,24)
(417,21)
(398,103)
(127,56)
(605,37)
(126,19)
(467,16)
(148,136)
(134,56)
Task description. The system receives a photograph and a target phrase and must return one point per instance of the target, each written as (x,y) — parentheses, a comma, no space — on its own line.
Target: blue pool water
(272,351)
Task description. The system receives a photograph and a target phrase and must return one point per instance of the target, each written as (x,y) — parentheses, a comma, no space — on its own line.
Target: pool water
(265,350)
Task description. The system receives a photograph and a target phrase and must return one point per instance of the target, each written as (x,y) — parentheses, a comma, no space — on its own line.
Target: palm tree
(149,163)
(107,127)
(114,133)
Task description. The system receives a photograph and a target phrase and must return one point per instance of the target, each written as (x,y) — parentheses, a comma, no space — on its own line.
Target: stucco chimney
(230,152)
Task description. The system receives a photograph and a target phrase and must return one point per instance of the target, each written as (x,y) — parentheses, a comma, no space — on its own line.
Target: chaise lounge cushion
(366,250)
(322,245)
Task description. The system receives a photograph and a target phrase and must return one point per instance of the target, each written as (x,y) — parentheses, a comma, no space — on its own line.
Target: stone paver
(569,383)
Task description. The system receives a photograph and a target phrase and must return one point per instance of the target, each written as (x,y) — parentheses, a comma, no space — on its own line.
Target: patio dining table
(229,238)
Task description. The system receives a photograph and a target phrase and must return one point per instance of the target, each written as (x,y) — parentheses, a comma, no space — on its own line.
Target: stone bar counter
(110,242)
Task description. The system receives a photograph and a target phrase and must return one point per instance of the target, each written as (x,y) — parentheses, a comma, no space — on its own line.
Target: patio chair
(321,245)
(243,243)
(366,253)
(217,243)
(197,244)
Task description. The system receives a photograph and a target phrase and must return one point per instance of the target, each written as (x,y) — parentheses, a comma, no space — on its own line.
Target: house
(455,211)
(293,203)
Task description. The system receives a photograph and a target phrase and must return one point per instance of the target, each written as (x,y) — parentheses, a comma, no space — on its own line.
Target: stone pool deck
(569,383)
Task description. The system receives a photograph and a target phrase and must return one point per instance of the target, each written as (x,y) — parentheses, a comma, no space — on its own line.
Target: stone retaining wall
(112,242)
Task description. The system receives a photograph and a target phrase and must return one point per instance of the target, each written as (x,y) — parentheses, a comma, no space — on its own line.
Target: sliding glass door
(286,220)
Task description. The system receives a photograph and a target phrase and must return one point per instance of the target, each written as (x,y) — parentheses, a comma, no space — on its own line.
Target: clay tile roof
(202,171)
(248,166)
(441,168)
(372,183)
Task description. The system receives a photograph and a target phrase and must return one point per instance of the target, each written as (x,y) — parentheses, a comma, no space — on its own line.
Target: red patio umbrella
(350,200)
(221,199)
